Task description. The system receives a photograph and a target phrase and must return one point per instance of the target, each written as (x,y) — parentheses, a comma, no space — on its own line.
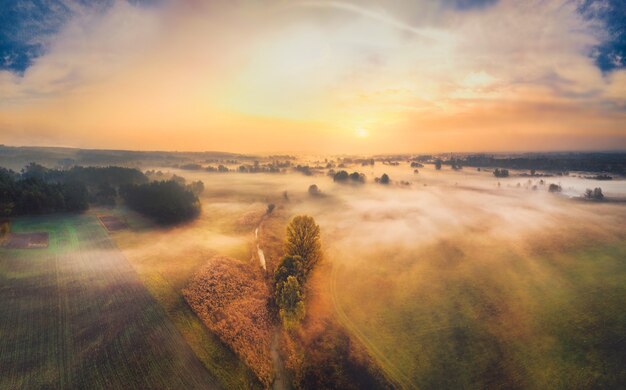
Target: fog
(413,264)
(433,205)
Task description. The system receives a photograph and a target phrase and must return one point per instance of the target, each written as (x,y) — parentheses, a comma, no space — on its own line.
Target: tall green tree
(290,299)
(303,239)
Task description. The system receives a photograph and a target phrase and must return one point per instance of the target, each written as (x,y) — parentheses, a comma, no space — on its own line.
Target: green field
(466,313)
(166,258)
(76,315)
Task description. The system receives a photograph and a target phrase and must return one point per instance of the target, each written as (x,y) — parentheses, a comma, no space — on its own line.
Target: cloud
(195,73)
(610,53)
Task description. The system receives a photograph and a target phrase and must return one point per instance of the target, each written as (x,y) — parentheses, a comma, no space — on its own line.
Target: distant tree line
(614,162)
(32,195)
(38,190)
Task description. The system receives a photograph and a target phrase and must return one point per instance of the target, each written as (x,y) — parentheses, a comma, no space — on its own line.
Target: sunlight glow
(361,132)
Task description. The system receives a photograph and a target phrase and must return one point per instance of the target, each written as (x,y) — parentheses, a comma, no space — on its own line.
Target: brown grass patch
(26,240)
(231,298)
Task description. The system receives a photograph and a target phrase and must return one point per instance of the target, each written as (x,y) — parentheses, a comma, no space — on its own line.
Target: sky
(268,76)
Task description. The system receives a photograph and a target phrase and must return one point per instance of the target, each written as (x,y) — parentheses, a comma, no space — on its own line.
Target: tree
(314,190)
(554,188)
(501,172)
(270,208)
(341,176)
(75,196)
(595,194)
(384,179)
(166,201)
(437,164)
(197,187)
(178,179)
(290,266)
(105,194)
(290,300)
(303,239)
(357,177)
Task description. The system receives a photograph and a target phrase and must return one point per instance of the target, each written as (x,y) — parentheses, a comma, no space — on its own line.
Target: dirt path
(259,250)
(280,375)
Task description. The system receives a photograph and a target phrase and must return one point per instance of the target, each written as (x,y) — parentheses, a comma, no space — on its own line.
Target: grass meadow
(75,315)
(165,260)
(447,279)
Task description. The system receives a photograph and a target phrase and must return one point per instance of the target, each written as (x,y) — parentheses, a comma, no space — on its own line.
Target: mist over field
(454,272)
(438,278)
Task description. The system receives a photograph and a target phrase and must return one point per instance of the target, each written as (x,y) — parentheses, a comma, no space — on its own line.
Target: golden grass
(232,300)
(165,267)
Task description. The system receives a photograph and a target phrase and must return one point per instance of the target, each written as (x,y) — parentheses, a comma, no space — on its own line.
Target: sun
(361,132)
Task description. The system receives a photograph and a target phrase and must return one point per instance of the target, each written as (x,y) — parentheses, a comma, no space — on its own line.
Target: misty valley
(213,270)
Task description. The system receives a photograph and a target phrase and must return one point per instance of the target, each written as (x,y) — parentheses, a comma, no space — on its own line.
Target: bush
(166,202)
